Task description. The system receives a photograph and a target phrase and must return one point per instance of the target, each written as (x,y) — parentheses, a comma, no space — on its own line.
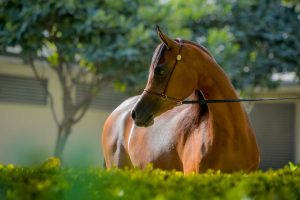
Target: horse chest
(156,146)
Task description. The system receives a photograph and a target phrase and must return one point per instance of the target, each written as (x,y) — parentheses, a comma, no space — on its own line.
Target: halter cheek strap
(164,95)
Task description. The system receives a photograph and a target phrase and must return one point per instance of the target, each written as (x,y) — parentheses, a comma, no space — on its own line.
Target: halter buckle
(179,103)
(178,57)
(164,96)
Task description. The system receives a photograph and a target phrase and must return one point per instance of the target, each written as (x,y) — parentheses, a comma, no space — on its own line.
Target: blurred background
(65,65)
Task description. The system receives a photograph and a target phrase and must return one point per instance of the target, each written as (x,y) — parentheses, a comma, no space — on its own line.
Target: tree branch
(51,99)
(87,98)
(79,117)
(86,101)
(63,82)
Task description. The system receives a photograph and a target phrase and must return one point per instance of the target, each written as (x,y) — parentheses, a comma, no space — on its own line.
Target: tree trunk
(62,136)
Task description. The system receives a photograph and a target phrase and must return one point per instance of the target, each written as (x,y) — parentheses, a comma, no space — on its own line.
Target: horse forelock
(160,49)
(157,54)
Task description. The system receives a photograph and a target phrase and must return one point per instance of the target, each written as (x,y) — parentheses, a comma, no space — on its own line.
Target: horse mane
(161,47)
(199,46)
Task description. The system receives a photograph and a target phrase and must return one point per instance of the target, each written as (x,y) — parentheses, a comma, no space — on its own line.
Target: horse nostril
(133,114)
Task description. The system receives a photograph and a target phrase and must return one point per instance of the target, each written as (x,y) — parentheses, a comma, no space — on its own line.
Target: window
(108,98)
(275,133)
(19,89)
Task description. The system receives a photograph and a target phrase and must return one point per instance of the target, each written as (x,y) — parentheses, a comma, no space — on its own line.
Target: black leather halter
(164,95)
(179,102)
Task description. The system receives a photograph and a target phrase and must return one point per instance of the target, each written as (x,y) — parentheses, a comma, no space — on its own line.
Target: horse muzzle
(142,122)
(144,111)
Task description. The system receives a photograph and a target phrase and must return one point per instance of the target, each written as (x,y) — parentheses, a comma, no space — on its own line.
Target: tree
(251,40)
(292,3)
(93,42)
(83,42)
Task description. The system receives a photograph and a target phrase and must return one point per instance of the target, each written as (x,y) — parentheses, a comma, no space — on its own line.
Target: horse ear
(164,38)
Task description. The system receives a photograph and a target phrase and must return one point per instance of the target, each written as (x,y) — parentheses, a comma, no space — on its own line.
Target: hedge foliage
(50,181)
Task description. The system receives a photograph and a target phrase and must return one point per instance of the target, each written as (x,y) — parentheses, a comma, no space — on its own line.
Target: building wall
(297,132)
(277,126)
(28,132)
(275,131)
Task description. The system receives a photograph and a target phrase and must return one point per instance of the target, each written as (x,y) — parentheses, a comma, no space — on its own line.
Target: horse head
(170,80)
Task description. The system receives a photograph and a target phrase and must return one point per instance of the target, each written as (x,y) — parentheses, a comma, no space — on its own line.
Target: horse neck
(215,84)
(228,118)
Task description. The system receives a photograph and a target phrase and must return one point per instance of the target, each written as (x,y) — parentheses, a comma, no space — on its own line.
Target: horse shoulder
(115,134)
(157,144)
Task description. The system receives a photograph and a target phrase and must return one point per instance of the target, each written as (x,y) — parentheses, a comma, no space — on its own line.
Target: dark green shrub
(52,182)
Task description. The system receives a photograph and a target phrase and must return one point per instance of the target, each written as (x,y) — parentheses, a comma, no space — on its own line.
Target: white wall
(28,132)
(297,134)
(292,90)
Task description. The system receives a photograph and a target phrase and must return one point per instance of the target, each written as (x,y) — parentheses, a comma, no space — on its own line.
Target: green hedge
(49,181)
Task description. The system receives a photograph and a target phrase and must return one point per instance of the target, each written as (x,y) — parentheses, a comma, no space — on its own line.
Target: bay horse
(153,128)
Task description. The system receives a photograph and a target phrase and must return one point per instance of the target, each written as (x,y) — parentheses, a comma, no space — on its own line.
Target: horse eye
(159,71)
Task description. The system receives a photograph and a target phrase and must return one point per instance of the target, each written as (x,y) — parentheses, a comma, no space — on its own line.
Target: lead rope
(204,102)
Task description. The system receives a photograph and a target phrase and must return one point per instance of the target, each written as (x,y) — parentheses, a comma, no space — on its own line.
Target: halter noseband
(163,95)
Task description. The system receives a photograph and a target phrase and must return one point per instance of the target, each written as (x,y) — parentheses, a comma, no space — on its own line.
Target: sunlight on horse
(153,128)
